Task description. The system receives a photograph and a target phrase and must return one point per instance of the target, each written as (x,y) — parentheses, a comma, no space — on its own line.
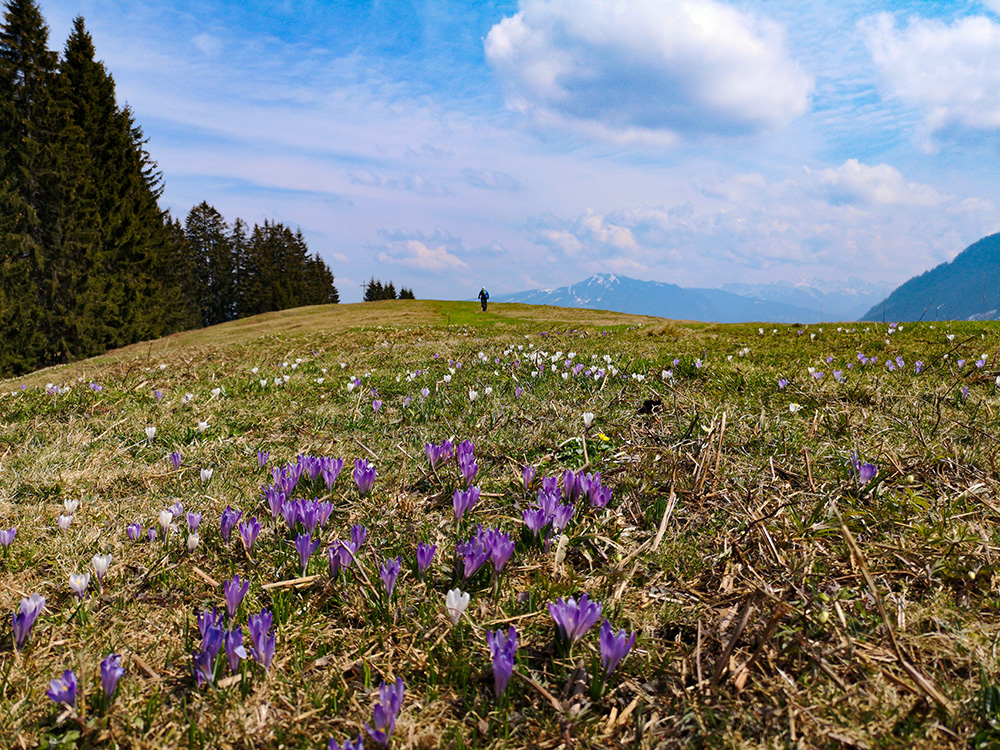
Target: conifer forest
(89,261)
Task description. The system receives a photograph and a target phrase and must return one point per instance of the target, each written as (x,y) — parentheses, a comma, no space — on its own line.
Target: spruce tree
(208,240)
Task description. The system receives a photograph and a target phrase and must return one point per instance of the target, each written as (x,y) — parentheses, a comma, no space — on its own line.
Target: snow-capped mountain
(622,294)
(835,300)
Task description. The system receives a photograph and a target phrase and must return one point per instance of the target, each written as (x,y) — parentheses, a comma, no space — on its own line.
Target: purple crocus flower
(262,458)
(562,516)
(233,641)
(376,405)
(63,690)
(193,519)
(782,383)
(175,460)
(425,553)
(388,572)
(601,497)
(151,533)
(230,518)
(501,548)
(333,558)
(573,620)
(571,486)
(111,672)
(518,390)
(462,501)
(204,668)
(918,366)
(357,744)
(528,476)
(474,554)
(134,531)
(305,546)
(24,619)
(248,533)
(290,512)
(7,538)
(261,639)
(358,535)
(614,647)
(864,472)
(364,476)
(503,649)
(234,590)
(386,711)
(535,519)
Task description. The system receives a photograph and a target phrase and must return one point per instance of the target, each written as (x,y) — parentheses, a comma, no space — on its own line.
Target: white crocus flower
(473,395)
(793,407)
(588,419)
(192,541)
(101,564)
(202,426)
(456,602)
(150,433)
(71,504)
(79,582)
(166,517)
(65,521)
(206,474)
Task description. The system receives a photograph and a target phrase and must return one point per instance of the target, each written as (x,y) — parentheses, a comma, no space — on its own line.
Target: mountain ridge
(609,291)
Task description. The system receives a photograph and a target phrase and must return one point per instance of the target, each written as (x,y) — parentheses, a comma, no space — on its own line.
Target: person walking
(483,296)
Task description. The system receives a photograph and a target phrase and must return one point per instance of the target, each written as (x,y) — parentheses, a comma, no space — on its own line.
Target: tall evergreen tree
(208,239)
(30,145)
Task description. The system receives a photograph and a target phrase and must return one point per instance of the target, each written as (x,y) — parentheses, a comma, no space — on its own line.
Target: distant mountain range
(780,302)
(967,288)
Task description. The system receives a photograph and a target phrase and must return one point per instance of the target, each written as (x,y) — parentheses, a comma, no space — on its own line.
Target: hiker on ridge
(483,296)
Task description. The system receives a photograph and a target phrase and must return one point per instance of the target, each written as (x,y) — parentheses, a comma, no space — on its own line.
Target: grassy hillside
(779,594)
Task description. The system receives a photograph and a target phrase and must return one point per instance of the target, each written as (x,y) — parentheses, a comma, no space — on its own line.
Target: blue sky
(450,144)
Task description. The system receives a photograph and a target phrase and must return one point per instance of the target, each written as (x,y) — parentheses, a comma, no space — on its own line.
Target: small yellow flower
(603,437)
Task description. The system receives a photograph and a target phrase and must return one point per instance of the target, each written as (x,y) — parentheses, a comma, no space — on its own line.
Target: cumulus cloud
(416,254)
(881,184)
(754,229)
(647,69)
(951,72)
(489,179)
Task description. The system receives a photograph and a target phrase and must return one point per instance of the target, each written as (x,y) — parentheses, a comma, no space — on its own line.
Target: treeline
(88,260)
(376,290)
(234,272)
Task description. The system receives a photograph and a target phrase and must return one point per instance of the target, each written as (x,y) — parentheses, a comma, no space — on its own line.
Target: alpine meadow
(236,513)
(533,527)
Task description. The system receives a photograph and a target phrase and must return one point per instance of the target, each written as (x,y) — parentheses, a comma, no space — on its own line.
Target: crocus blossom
(574,619)
(24,619)
(386,711)
(425,553)
(234,590)
(614,646)
(63,690)
(503,648)
(111,672)
(456,601)
(364,476)
(388,572)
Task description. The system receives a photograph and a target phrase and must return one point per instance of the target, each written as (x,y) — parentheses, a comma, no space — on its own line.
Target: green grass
(762,619)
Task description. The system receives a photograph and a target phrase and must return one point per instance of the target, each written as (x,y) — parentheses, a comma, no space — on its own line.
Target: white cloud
(647,69)
(950,72)
(207,44)
(489,179)
(416,254)
(563,240)
(880,184)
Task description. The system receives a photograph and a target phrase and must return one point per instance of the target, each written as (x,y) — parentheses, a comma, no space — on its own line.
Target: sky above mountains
(448,144)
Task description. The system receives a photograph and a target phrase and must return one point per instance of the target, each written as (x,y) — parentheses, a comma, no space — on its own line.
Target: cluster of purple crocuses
(64,690)
(557,504)
(215,636)
(485,544)
(574,619)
